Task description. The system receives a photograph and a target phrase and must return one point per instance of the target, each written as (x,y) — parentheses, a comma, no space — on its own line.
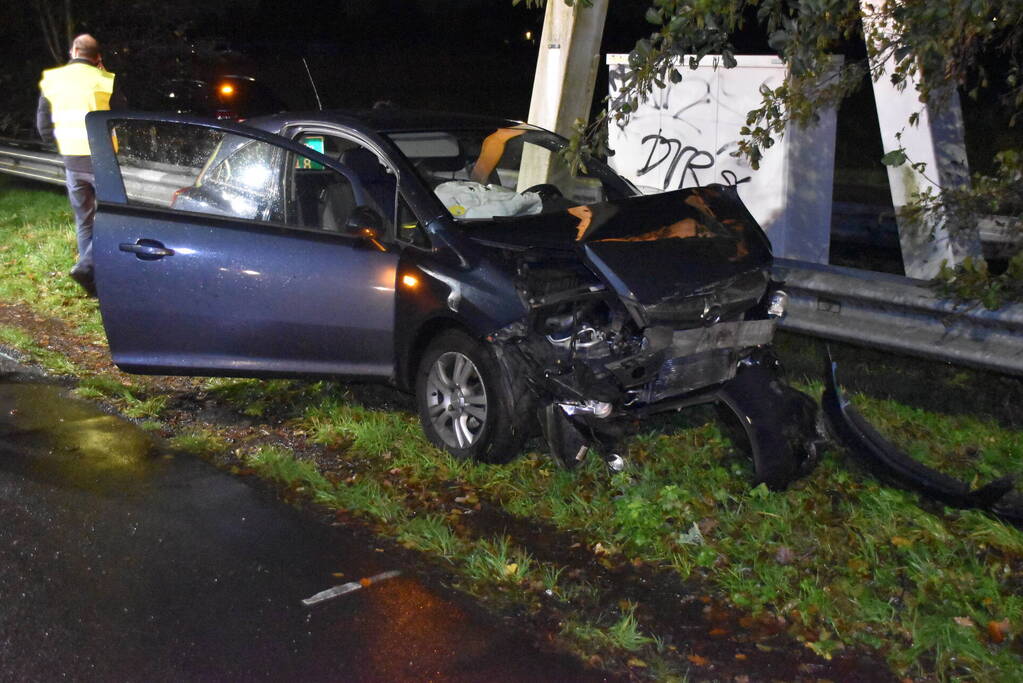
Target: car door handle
(146,249)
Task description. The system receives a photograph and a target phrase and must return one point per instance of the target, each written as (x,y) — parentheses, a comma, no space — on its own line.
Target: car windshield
(513,171)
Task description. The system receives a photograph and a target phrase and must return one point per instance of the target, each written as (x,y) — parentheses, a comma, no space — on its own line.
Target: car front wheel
(467,404)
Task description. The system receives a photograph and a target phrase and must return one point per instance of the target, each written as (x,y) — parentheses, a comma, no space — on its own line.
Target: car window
(194,168)
(189,167)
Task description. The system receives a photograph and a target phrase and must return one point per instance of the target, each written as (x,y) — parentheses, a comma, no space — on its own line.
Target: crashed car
(456,257)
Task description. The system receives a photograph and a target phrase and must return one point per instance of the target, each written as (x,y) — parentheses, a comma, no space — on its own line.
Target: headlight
(778,304)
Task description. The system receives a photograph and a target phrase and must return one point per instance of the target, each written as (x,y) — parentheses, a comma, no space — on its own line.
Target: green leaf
(897,157)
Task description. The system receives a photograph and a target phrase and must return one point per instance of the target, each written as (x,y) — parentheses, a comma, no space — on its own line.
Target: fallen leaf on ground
(637,662)
(998,630)
(697,660)
(963,621)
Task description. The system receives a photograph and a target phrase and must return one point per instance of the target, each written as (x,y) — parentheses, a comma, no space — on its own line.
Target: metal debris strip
(349,587)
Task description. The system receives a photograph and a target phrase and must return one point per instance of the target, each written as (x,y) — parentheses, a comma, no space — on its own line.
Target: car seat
(380,187)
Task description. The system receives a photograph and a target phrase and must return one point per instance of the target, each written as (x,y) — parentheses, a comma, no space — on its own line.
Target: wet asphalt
(121,561)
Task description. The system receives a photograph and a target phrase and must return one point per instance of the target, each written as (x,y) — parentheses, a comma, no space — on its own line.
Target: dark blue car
(456,257)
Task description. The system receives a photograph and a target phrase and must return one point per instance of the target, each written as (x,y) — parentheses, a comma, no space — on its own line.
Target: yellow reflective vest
(74,90)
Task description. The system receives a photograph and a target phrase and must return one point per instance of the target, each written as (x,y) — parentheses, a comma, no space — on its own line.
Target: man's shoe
(85,279)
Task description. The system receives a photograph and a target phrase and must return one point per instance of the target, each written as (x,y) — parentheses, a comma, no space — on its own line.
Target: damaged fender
(888,462)
(780,424)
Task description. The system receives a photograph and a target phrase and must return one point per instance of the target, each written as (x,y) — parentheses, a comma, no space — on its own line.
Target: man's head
(85,47)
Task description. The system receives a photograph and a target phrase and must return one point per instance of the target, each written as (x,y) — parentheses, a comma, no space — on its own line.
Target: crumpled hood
(692,248)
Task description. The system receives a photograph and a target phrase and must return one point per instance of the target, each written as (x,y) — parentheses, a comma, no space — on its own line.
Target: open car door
(224,250)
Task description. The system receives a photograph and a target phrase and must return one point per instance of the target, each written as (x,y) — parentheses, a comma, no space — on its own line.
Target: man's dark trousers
(81,192)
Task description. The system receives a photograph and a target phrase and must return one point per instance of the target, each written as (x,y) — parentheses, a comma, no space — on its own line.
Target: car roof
(383,120)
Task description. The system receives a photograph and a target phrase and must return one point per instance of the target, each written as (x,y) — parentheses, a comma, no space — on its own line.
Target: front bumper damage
(785,428)
(589,405)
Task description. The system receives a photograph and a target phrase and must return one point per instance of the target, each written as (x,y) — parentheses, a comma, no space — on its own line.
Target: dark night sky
(435,54)
(455,55)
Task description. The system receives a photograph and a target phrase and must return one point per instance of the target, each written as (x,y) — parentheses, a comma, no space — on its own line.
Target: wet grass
(622,633)
(53,362)
(839,561)
(37,249)
(205,442)
(130,401)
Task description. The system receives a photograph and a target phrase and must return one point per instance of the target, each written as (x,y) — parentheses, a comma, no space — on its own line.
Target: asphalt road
(120,562)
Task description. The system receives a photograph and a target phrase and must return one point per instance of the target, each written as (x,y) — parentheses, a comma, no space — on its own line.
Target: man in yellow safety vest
(68,93)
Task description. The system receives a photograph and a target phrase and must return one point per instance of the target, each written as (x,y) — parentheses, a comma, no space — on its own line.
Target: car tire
(467,403)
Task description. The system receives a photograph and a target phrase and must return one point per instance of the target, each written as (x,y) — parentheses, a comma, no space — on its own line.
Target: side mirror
(365,223)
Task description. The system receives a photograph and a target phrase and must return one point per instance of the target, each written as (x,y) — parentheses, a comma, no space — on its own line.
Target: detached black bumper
(889,463)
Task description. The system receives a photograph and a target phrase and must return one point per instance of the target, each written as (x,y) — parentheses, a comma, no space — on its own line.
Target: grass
(52,361)
(127,399)
(432,534)
(277,464)
(622,633)
(256,398)
(845,561)
(37,249)
(205,442)
(497,560)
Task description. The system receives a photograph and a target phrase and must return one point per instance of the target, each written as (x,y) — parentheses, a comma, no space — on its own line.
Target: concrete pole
(937,141)
(566,71)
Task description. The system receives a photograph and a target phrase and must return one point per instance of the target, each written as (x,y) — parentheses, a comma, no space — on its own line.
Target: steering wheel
(547,191)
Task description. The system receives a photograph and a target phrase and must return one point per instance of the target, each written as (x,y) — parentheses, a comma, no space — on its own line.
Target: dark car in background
(231,96)
(457,257)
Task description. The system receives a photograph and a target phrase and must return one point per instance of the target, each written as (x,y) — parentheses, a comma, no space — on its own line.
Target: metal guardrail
(35,161)
(899,314)
(846,304)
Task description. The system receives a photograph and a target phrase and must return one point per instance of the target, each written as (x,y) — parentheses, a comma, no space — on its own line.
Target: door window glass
(194,168)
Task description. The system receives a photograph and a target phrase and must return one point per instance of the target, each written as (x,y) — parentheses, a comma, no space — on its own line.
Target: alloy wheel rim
(456,400)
